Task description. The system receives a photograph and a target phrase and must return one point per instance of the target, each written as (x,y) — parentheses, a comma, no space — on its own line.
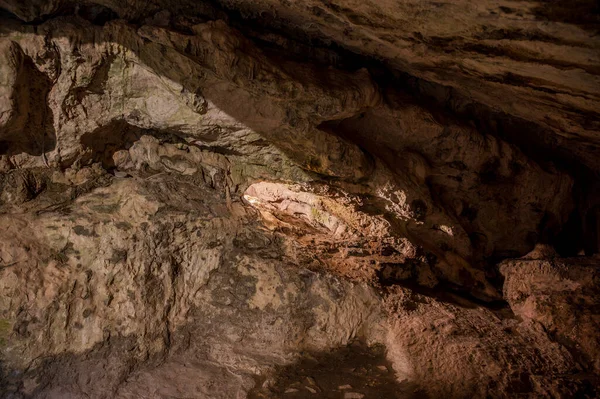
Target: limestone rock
(560,295)
(266,199)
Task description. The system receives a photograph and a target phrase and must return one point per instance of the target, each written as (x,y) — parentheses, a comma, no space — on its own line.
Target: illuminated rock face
(207,201)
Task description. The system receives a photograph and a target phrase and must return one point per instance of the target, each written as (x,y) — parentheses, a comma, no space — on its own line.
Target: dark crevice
(6,15)
(96,14)
(591,240)
(584,13)
(118,135)
(30,130)
(444,292)
(569,241)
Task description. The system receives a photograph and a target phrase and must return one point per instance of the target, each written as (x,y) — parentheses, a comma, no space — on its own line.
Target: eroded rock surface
(560,295)
(226,199)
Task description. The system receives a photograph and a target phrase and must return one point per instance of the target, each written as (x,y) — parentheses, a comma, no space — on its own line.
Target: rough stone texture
(543,55)
(560,294)
(136,289)
(200,199)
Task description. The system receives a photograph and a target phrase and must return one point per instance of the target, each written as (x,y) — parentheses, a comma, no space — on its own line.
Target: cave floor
(355,371)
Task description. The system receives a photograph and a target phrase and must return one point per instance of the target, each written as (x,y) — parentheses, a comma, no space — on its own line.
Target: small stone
(291,390)
(269,382)
(120,174)
(311,390)
(353,395)
(342,387)
(311,381)
(383,368)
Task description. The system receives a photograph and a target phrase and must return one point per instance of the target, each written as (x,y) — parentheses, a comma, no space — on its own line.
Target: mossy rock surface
(5,328)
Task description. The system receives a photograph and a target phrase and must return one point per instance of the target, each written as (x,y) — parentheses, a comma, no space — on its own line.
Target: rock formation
(273,199)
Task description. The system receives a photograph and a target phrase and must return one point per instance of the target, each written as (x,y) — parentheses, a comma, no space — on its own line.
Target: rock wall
(196,198)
